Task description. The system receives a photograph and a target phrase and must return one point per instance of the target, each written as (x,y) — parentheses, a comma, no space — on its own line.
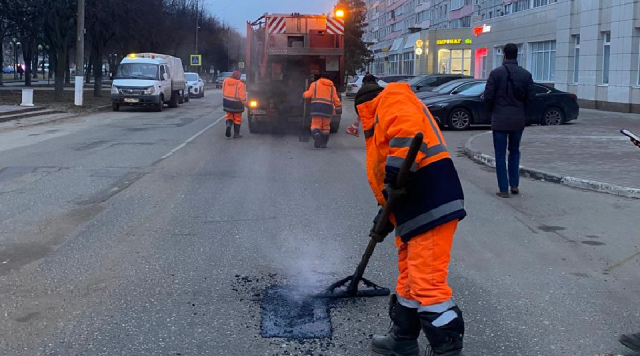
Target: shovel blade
(365,288)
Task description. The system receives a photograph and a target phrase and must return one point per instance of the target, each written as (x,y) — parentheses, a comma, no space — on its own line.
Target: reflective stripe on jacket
(234,95)
(324,98)
(434,193)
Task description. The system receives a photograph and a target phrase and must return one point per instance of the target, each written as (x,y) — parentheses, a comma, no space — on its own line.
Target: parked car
(451,88)
(8,70)
(430,81)
(195,85)
(221,77)
(460,111)
(355,85)
(396,78)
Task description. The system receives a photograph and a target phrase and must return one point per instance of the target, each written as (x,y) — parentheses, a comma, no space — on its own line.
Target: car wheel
(115,107)
(459,119)
(553,116)
(160,105)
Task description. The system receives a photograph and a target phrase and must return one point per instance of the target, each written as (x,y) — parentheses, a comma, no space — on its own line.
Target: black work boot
(228,132)
(317,138)
(236,131)
(632,341)
(402,339)
(325,140)
(444,331)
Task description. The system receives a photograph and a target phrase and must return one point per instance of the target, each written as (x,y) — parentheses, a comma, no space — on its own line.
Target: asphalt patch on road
(287,314)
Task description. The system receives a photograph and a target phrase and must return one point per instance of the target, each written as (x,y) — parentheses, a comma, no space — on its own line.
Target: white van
(149,79)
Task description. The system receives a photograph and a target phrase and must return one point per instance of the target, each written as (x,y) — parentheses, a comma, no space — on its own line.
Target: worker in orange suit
(234,99)
(425,219)
(324,103)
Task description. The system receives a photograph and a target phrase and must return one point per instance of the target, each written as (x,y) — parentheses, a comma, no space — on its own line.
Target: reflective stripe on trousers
(423,263)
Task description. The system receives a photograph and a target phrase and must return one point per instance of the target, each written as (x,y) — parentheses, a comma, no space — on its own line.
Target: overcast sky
(238,12)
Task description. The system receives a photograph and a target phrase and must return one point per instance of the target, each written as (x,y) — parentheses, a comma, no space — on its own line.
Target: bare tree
(27,16)
(59,30)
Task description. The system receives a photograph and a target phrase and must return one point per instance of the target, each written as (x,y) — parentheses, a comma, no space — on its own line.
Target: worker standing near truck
(234,99)
(425,219)
(324,102)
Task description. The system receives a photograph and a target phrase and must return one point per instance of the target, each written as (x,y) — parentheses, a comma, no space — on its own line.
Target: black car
(460,111)
(395,78)
(430,81)
(451,88)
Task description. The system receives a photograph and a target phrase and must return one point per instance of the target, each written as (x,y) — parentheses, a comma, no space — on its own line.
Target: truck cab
(148,80)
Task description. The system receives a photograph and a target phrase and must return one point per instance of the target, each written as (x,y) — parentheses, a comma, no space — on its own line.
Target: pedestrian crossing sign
(196,60)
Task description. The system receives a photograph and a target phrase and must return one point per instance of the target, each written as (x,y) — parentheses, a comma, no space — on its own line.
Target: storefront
(449,52)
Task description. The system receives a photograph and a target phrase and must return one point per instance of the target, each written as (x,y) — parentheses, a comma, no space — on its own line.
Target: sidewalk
(589,153)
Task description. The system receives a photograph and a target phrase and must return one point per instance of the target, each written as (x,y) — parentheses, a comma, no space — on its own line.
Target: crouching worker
(425,219)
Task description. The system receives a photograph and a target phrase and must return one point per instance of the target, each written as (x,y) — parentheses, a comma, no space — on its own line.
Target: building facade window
(457,4)
(576,58)
(538,3)
(395,64)
(408,63)
(378,66)
(543,61)
(606,56)
(454,61)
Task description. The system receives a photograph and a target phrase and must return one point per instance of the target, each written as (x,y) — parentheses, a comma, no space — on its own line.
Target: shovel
(349,287)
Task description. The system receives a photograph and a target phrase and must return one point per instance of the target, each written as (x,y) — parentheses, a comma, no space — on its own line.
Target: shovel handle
(401,180)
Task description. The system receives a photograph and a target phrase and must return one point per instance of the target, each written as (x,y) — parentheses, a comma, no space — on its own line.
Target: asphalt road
(143,233)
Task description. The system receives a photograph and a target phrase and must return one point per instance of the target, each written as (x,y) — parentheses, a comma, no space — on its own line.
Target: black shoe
(236,131)
(325,140)
(402,339)
(504,195)
(515,190)
(632,341)
(317,139)
(447,339)
(228,132)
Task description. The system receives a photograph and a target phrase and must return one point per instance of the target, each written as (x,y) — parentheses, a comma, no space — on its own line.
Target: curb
(545,176)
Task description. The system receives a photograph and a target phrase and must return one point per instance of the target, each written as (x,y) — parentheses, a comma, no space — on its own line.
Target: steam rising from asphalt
(311,263)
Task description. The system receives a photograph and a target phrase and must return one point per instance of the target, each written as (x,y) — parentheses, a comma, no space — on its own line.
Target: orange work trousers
(321,123)
(235,117)
(424,265)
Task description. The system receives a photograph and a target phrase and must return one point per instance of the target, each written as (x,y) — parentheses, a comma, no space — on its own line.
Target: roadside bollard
(27,97)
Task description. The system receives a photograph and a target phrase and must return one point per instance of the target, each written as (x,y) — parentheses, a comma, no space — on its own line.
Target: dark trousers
(501,141)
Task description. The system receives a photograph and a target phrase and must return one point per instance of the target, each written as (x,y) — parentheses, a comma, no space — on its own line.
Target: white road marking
(190,139)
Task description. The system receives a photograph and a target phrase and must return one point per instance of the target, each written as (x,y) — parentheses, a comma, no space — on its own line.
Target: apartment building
(410,37)
(587,47)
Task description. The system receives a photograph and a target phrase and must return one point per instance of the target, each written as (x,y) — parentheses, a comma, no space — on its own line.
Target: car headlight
(149,91)
(115,90)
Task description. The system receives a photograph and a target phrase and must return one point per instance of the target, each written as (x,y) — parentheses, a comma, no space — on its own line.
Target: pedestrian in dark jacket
(508,90)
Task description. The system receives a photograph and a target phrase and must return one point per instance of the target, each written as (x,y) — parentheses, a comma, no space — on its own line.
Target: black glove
(339,111)
(394,193)
(635,143)
(388,228)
